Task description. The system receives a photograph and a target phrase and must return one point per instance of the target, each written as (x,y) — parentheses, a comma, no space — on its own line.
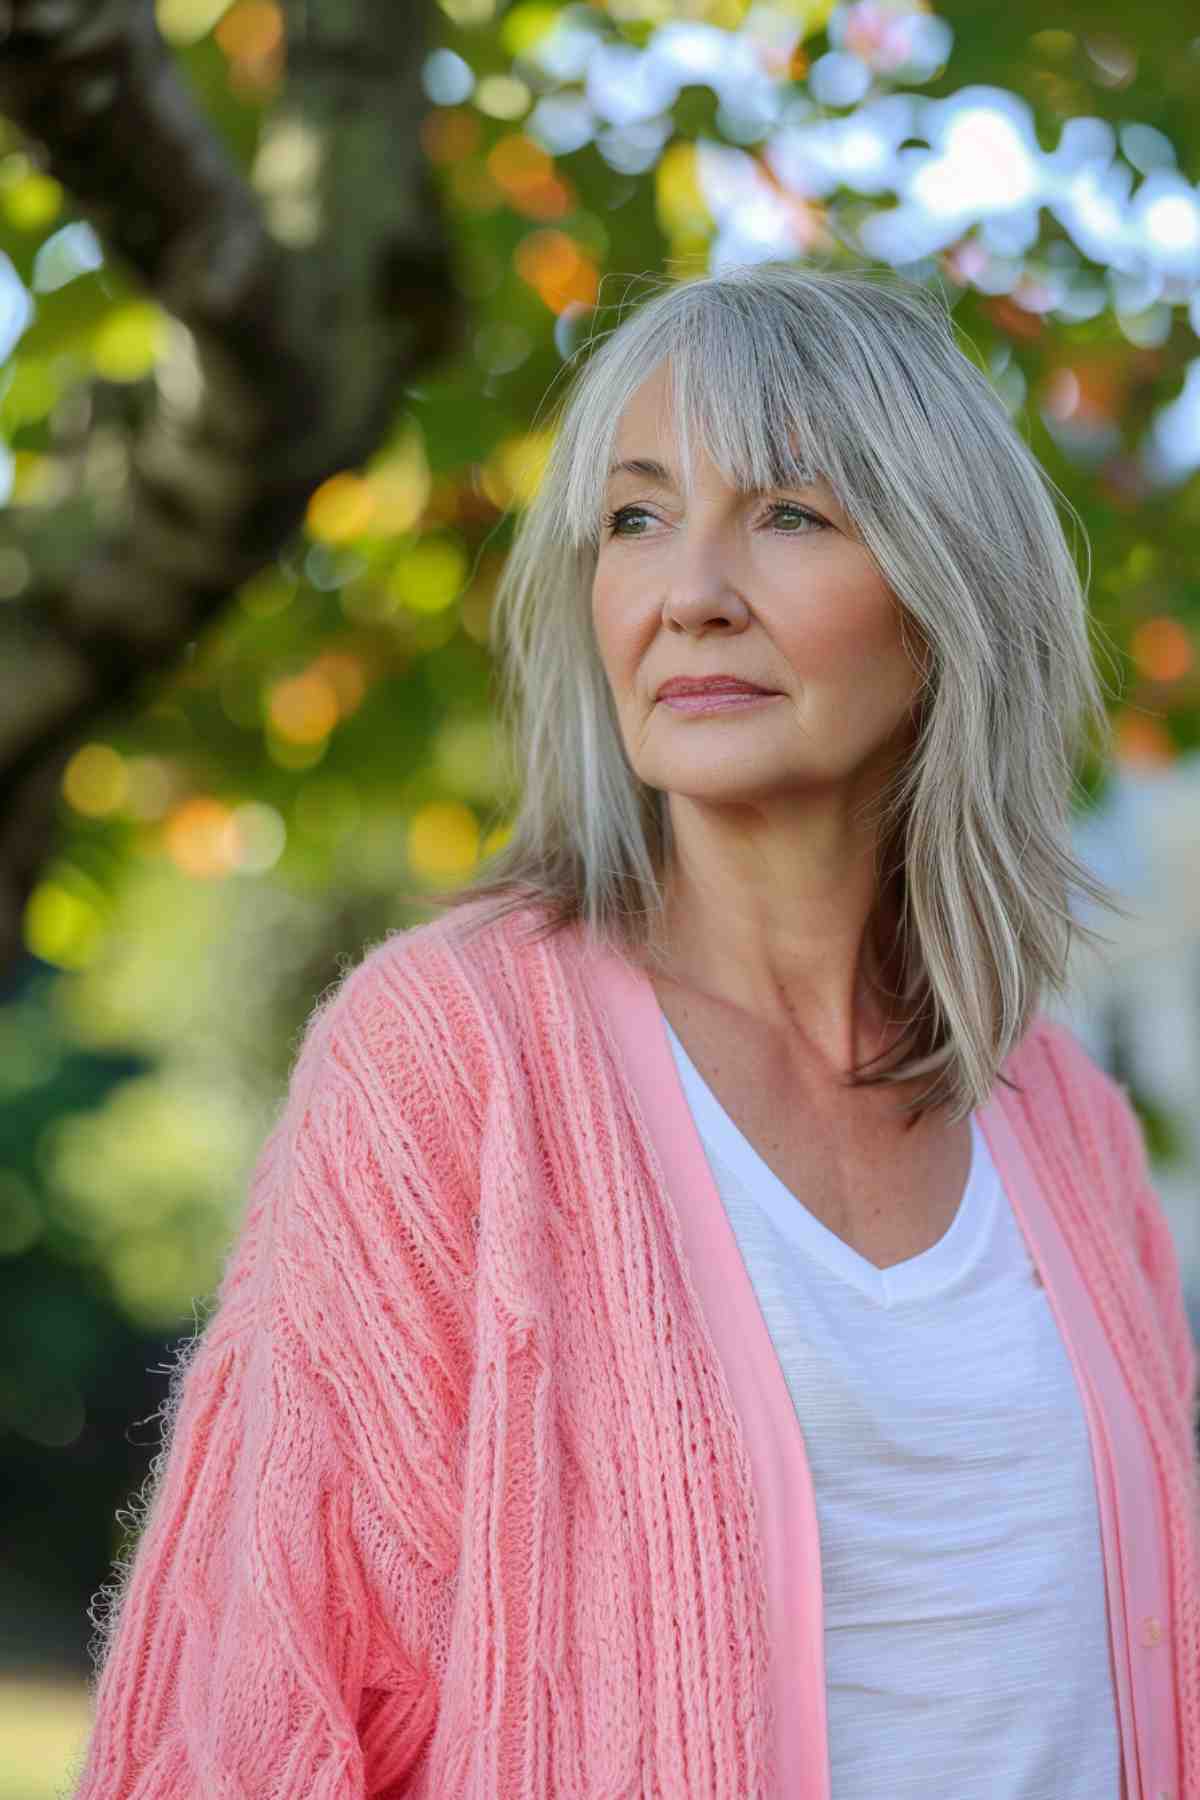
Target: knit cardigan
(457,1494)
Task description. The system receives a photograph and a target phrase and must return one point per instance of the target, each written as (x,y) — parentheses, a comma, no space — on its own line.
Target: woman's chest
(887,1192)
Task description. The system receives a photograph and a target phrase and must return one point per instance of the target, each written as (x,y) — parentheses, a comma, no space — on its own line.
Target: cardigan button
(1151,1634)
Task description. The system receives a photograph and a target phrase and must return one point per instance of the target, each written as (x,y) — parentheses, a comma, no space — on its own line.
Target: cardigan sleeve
(1156,1249)
(246,1652)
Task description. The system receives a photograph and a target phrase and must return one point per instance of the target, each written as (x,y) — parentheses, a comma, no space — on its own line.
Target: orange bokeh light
(304,708)
(345,674)
(1163,649)
(1143,740)
(251,31)
(528,179)
(557,270)
(198,837)
(449,134)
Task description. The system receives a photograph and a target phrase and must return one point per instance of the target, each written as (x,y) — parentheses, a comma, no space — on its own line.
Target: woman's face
(771,588)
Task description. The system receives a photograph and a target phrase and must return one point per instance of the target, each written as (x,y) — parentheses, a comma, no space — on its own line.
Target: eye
(614,520)
(801,512)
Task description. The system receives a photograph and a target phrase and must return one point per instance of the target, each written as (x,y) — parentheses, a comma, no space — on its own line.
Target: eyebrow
(660,474)
(643,465)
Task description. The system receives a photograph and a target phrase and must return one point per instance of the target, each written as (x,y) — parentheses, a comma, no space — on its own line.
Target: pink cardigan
(483,1481)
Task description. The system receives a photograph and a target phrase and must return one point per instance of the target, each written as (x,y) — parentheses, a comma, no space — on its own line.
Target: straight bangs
(783,375)
(769,441)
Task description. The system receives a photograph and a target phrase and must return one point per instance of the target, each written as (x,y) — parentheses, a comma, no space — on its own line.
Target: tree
(299,313)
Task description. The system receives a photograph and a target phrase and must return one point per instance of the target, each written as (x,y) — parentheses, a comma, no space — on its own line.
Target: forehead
(645,445)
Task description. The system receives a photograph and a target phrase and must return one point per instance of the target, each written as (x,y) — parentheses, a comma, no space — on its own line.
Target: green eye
(614,520)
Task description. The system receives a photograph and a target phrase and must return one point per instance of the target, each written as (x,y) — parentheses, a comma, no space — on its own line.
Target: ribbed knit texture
(452,1499)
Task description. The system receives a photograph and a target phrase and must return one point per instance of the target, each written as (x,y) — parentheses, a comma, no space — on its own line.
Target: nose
(704,603)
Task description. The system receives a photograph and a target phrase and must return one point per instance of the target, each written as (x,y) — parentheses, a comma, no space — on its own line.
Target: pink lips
(706,684)
(729,697)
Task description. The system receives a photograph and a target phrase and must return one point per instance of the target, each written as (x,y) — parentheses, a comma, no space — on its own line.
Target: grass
(44,1724)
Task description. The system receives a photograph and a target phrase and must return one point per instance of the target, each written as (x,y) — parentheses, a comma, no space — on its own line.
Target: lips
(710,684)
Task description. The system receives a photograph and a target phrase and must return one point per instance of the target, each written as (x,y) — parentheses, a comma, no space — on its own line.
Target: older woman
(700,1327)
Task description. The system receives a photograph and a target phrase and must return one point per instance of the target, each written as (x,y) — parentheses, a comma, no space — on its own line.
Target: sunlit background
(240,834)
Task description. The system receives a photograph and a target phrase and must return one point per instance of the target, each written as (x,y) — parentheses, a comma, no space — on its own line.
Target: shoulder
(1052,1050)
(1100,1106)
(1070,1098)
(428,1009)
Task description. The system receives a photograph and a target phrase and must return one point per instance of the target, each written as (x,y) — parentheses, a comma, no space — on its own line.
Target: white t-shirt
(966,1623)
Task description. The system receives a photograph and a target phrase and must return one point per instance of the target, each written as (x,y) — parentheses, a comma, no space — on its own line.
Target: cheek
(849,624)
(615,628)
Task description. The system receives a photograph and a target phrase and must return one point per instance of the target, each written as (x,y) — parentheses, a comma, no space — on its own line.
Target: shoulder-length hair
(782,371)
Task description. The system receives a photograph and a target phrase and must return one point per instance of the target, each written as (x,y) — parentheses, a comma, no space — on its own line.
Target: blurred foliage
(330,742)
(44,1724)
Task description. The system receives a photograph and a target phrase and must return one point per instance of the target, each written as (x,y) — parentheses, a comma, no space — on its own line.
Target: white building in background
(1135,1003)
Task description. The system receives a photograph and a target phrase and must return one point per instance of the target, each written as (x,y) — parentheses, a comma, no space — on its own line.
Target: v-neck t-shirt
(967,1642)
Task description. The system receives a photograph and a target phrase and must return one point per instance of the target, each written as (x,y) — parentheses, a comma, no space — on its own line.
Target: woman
(700,1328)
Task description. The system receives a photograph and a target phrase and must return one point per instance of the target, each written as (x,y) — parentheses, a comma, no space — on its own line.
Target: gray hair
(782,372)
